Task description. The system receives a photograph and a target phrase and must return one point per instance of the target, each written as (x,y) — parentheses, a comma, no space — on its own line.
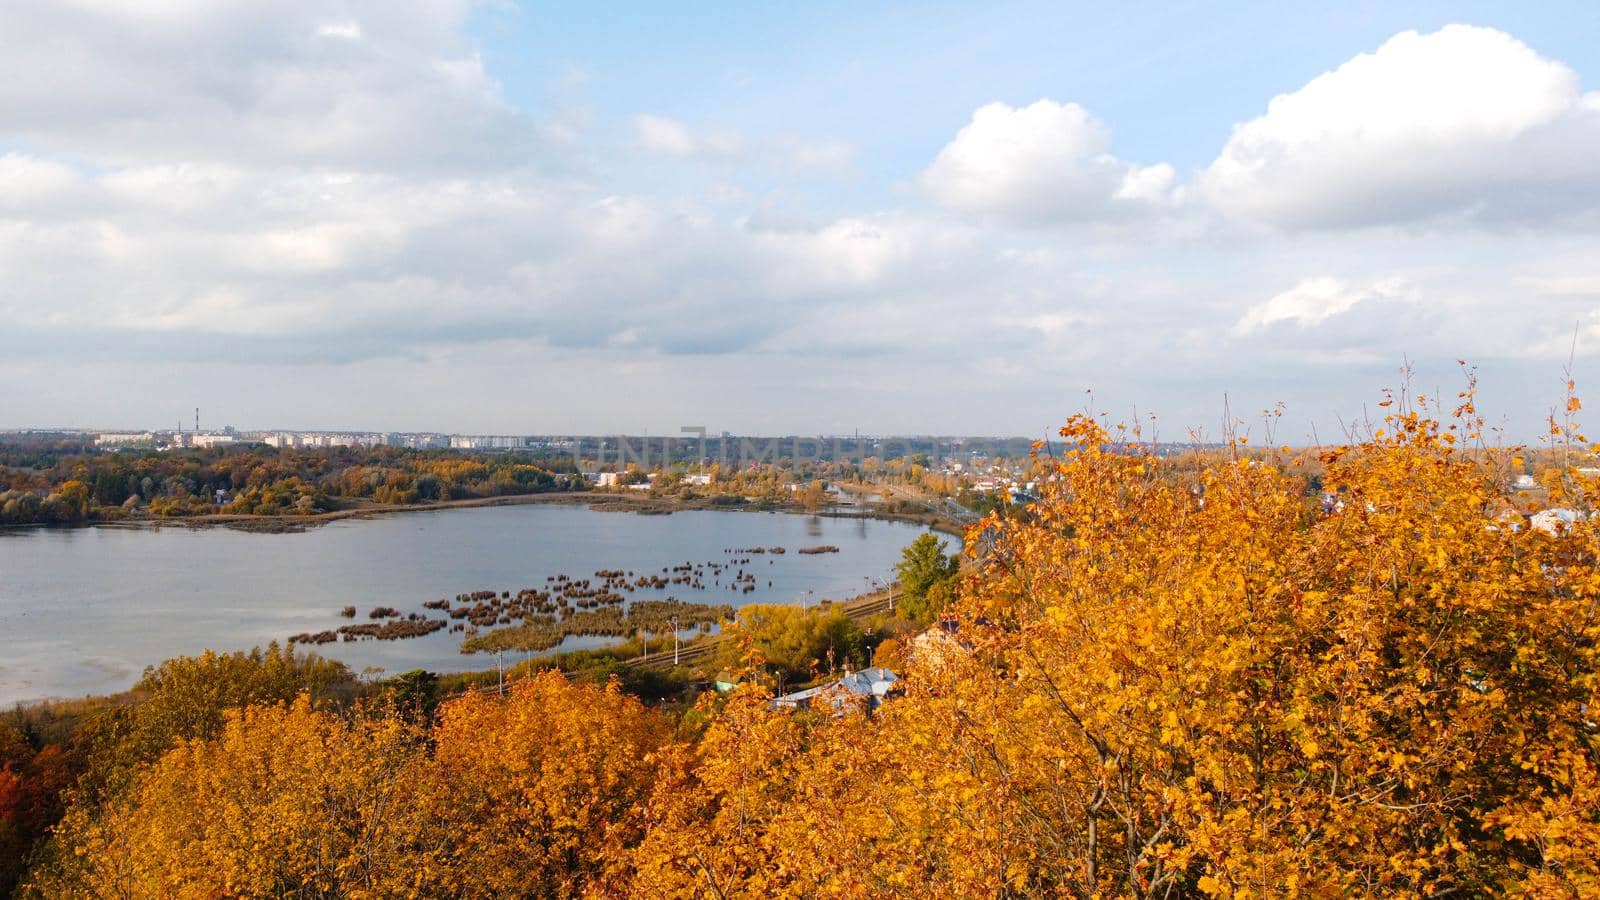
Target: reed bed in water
(537,618)
(648,616)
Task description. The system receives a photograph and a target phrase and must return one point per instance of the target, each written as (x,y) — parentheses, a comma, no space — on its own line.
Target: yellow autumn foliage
(1166,680)
(287,800)
(1181,682)
(526,795)
(538,791)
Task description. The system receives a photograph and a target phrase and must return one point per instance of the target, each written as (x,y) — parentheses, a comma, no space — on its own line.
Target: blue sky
(957,218)
(1170,78)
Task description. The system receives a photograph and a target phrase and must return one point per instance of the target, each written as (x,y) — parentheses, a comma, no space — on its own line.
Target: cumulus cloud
(1316,300)
(1041,164)
(266,191)
(291,266)
(388,83)
(1465,122)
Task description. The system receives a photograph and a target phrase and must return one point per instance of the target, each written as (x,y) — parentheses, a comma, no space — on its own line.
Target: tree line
(71,483)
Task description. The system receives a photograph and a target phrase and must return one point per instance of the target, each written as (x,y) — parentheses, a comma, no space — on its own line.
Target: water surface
(84,610)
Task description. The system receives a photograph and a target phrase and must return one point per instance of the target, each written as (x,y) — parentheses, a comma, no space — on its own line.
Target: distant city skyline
(496,217)
(680,436)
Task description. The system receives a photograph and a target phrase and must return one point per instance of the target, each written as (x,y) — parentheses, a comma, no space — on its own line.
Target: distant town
(944,466)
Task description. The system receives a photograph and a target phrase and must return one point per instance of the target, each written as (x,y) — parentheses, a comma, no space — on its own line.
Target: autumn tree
(520,796)
(31,785)
(188,697)
(285,801)
(796,642)
(764,805)
(74,495)
(926,572)
(539,789)
(1161,690)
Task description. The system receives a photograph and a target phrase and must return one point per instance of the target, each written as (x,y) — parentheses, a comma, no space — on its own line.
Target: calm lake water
(84,610)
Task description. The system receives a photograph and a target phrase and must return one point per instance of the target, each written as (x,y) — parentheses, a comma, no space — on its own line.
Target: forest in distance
(1162,678)
(67,482)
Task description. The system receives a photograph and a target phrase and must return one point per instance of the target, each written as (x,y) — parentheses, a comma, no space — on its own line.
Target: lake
(85,610)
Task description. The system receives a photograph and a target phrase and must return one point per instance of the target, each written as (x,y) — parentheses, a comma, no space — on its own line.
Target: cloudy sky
(499,217)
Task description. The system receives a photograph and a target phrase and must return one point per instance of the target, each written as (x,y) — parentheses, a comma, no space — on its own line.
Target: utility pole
(674,641)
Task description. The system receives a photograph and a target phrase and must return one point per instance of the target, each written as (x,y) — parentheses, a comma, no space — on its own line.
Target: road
(939,506)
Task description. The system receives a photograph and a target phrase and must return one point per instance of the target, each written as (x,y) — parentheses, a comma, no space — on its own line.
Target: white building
(1555,521)
(935,646)
(487,442)
(125,439)
(869,687)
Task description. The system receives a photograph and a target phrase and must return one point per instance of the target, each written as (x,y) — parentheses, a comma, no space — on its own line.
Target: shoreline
(595,500)
(856,607)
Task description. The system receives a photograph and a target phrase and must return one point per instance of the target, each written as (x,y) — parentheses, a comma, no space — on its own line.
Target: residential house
(869,686)
(1555,521)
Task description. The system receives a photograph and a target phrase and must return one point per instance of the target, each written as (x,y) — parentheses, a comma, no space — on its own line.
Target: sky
(499,217)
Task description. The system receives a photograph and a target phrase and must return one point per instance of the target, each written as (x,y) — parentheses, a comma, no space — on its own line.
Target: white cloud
(823,154)
(264,191)
(305,265)
(1316,300)
(349,30)
(1041,164)
(709,143)
(658,134)
(860,253)
(392,85)
(37,187)
(1464,122)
